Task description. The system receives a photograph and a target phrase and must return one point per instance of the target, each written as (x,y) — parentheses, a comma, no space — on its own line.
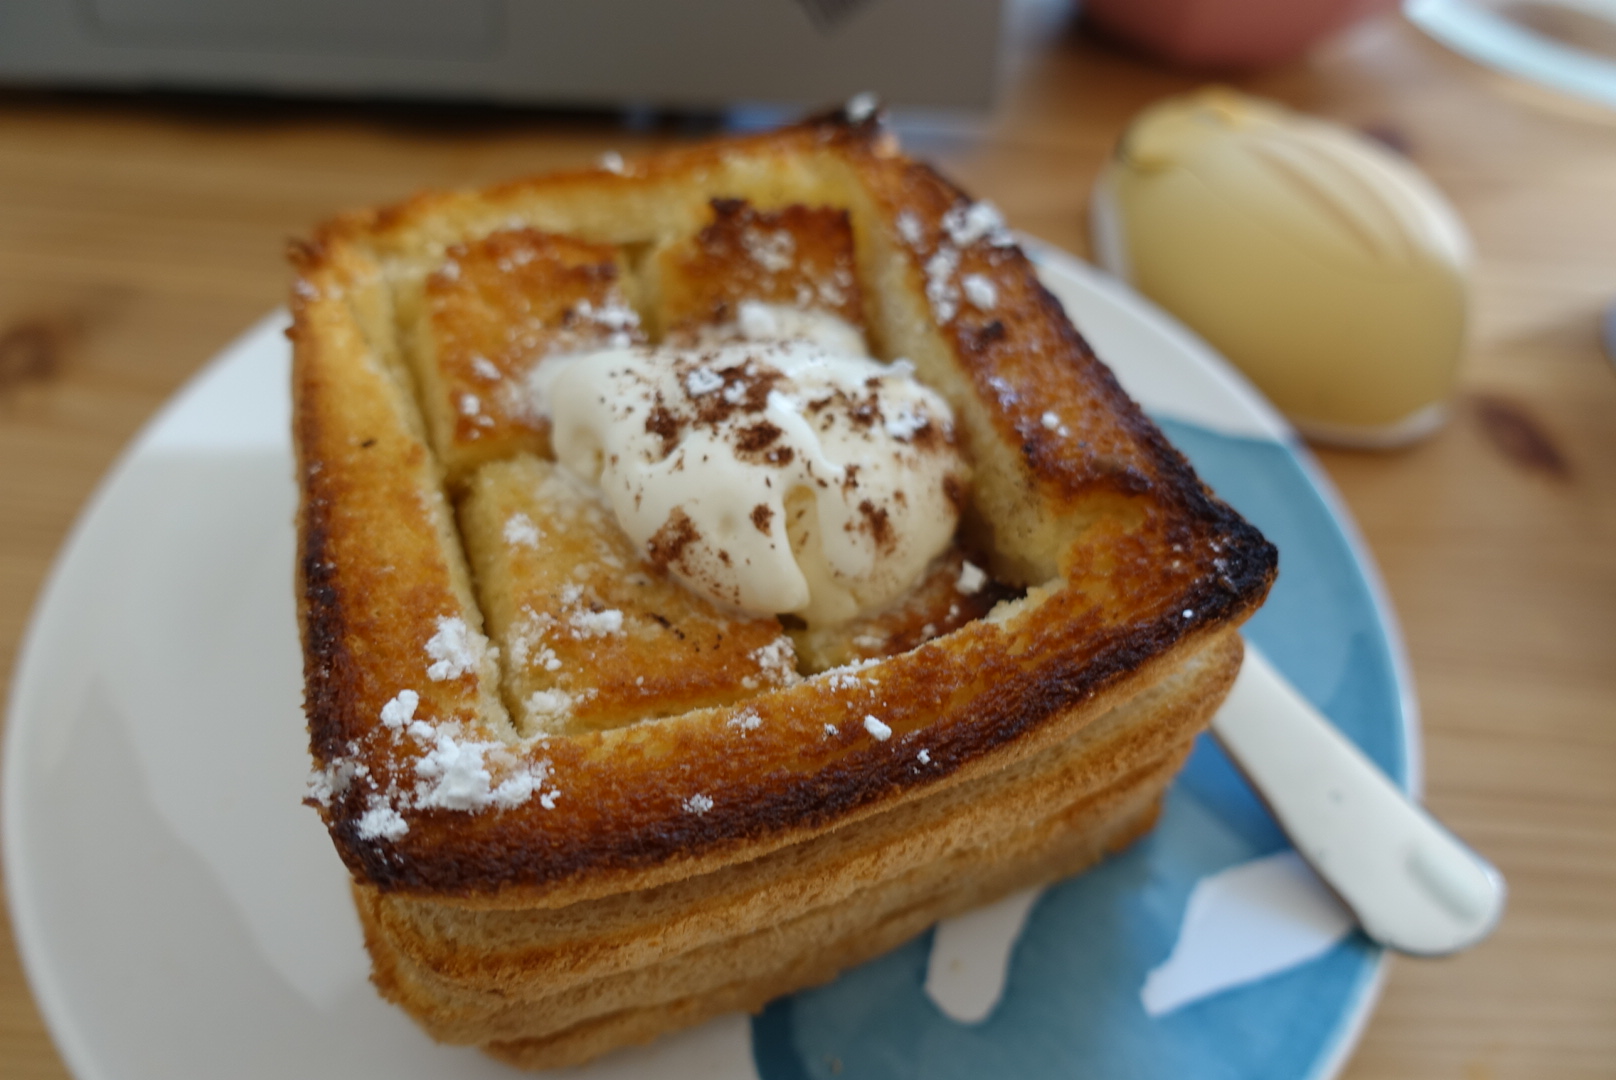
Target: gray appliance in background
(675,53)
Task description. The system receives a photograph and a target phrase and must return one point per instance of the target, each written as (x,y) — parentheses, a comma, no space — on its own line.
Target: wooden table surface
(139,235)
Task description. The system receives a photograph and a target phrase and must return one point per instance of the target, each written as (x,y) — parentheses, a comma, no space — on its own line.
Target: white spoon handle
(1412,884)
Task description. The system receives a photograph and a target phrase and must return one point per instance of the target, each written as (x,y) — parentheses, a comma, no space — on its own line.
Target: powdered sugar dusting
(910,229)
(860,107)
(522,786)
(940,287)
(549,705)
(967,223)
(401,710)
(703,380)
(333,780)
(382,822)
(455,649)
(614,316)
(904,421)
(448,769)
(964,225)
(520,531)
(971,578)
(773,251)
(880,731)
(588,624)
(846,677)
(980,291)
(455,775)
(777,660)
(698,804)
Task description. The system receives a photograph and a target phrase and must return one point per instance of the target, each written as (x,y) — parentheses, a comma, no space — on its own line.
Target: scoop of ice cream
(773,475)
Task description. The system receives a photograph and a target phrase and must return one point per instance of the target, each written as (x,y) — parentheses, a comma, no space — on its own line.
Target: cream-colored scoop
(1328,269)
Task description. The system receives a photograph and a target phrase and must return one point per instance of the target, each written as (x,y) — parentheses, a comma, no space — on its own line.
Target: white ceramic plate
(181,915)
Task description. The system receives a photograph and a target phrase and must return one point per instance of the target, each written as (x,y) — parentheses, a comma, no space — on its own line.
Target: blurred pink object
(1227,34)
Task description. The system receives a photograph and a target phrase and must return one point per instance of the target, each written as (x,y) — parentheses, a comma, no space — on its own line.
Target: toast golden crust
(490,313)
(798,256)
(1129,562)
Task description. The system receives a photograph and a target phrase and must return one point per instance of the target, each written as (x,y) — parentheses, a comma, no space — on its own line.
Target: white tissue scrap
(1246,923)
(970,957)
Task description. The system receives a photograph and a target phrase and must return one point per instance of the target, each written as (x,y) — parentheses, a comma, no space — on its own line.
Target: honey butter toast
(715,569)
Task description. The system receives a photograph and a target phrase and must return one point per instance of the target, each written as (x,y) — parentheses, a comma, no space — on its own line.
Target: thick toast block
(574,796)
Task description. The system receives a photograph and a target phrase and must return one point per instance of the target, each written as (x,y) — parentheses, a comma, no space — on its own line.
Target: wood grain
(139,235)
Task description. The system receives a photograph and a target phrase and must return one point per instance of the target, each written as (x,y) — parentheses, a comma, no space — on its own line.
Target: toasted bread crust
(1131,563)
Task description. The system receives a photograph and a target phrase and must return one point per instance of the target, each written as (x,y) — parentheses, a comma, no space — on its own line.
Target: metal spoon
(1413,885)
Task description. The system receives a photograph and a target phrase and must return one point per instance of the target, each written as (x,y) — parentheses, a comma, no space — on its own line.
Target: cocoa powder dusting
(667,545)
(756,438)
(878,523)
(662,423)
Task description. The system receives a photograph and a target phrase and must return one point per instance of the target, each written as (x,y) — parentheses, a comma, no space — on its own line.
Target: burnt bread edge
(860,781)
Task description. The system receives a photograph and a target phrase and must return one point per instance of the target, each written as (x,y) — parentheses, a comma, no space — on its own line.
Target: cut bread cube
(590,636)
(797,257)
(702,828)
(490,313)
